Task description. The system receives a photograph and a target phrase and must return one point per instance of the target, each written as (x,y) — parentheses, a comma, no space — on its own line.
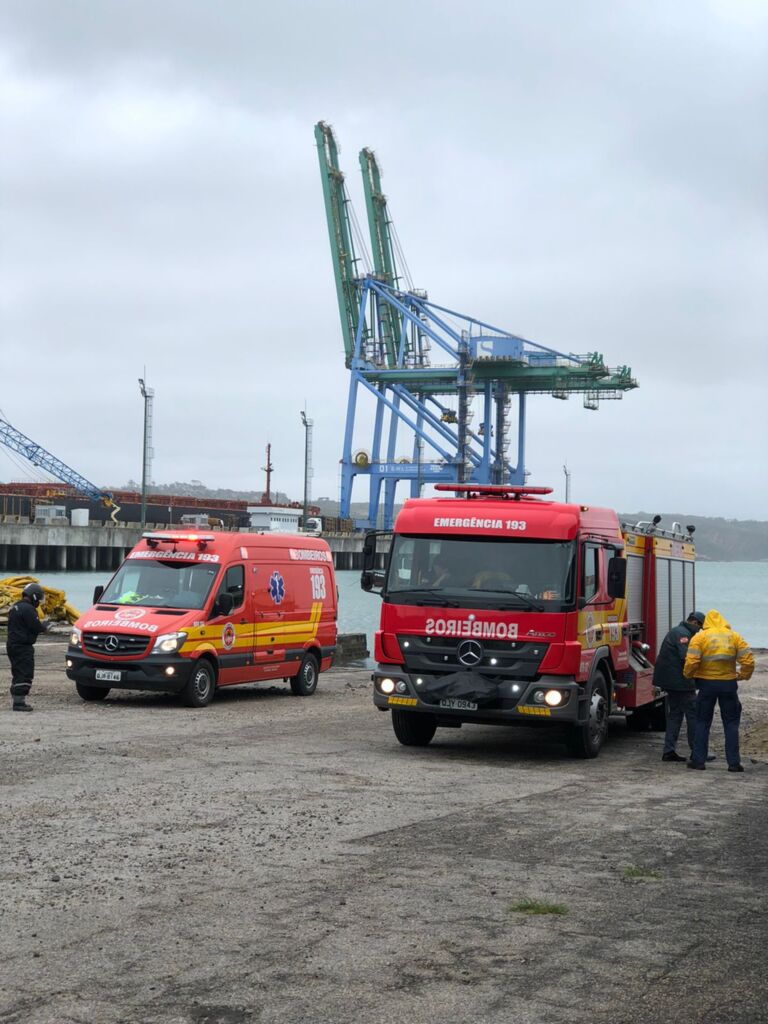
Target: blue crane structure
(427,368)
(38,456)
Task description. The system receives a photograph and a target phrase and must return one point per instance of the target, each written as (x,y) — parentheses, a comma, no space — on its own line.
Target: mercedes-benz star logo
(111,643)
(470,653)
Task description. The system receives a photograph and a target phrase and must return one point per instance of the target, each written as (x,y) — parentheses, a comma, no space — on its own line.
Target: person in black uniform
(681,692)
(24,627)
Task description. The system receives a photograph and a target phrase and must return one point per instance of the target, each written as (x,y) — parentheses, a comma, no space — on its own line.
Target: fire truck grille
(115,644)
(494,659)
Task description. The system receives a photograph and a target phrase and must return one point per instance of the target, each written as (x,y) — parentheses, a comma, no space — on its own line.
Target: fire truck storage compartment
(635,579)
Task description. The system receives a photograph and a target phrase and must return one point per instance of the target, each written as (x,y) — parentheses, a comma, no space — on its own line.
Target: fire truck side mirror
(617,577)
(371,578)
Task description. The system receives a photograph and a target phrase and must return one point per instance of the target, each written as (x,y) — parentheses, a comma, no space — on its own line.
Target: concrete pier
(37,548)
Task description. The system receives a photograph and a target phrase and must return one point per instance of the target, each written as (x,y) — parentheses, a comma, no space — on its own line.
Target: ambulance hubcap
(202,683)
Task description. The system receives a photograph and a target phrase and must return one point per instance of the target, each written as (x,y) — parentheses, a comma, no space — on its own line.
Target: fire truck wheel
(199,690)
(413,730)
(304,683)
(91,692)
(585,740)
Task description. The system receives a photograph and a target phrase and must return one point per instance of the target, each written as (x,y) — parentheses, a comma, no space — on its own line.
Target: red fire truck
(503,607)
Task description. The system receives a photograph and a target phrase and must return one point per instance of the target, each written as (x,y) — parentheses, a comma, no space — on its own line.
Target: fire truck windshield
(156,584)
(475,572)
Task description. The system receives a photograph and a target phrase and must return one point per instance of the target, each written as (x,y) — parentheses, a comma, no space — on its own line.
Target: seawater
(737,589)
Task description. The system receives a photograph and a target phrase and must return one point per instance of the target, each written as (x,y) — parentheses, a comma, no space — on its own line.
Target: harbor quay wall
(33,547)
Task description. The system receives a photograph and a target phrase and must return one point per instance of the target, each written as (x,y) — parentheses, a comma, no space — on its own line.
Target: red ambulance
(189,612)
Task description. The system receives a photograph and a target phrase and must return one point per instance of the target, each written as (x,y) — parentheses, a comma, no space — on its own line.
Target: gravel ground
(274,859)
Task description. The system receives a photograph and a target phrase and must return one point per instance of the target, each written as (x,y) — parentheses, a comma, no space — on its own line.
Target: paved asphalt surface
(278,859)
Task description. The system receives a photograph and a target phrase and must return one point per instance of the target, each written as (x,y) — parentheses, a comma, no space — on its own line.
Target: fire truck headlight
(75,638)
(169,643)
(387,685)
(538,696)
(553,698)
(402,686)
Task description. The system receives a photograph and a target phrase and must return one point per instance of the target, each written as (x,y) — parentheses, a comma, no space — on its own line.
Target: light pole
(307,463)
(146,454)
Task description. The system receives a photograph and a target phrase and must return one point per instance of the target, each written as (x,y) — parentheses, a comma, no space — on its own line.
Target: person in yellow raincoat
(717,659)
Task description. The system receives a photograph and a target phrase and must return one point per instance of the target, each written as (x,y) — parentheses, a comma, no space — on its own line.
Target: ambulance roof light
(200,539)
(493,490)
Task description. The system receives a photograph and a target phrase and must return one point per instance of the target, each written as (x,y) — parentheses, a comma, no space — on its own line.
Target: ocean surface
(737,589)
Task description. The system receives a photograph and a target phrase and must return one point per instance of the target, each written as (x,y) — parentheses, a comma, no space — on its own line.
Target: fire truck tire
(91,692)
(585,740)
(304,683)
(198,692)
(413,730)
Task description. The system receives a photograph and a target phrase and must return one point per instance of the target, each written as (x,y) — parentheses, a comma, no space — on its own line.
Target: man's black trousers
(22,659)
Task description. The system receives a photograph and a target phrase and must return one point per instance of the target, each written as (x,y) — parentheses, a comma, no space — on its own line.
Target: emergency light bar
(494,490)
(153,539)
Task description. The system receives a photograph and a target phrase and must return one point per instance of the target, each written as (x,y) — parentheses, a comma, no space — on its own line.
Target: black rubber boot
(21,705)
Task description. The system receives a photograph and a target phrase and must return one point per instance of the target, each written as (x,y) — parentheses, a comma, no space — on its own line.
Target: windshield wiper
(527,601)
(442,602)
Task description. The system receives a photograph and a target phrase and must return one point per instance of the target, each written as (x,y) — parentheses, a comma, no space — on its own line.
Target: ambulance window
(234,583)
(590,583)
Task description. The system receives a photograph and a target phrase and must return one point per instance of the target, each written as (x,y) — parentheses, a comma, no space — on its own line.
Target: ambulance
(190,612)
(503,607)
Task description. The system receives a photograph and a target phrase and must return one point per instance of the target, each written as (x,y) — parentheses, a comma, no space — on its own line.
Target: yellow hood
(714,620)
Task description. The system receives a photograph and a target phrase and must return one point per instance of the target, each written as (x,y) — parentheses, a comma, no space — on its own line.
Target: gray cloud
(591,176)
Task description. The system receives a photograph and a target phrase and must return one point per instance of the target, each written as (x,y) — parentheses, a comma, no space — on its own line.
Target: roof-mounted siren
(691,530)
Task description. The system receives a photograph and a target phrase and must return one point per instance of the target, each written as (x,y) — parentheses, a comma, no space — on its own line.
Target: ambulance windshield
(157,584)
(526,574)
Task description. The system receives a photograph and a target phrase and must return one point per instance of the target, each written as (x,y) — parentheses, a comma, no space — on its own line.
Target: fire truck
(503,607)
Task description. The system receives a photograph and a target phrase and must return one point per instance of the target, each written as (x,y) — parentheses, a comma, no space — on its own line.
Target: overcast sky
(591,175)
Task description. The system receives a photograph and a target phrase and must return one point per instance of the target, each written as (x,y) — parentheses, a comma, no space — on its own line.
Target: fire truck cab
(190,612)
(502,607)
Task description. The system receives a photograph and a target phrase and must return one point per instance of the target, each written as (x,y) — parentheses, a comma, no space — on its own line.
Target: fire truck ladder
(38,456)
(428,369)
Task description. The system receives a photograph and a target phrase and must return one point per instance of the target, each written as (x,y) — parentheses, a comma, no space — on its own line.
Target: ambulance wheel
(199,690)
(91,692)
(413,729)
(585,740)
(304,683)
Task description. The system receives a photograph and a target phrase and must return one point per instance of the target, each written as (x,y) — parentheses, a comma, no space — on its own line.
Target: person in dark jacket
(681,692)
(24,627)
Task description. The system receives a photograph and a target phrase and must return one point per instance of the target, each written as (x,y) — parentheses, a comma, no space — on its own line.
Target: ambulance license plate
(456,704)
(108,675)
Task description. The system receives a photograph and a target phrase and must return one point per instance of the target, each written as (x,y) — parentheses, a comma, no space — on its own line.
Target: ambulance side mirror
(617,577)
(223,604)
(97,592)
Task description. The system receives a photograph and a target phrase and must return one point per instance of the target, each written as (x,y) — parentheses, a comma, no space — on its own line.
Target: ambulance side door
(233,633)
(275,603)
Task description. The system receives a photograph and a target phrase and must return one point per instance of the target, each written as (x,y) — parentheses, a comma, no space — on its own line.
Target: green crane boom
(345,261)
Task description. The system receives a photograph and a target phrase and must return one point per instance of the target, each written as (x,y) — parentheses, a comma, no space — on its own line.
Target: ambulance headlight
(387,685)
(169,643)
(75,638)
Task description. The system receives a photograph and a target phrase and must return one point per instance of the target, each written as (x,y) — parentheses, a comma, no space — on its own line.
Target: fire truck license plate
(457,704)
(108,675)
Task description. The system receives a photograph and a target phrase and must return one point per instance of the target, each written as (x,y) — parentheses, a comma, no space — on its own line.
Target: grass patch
(637,872)
(537,907)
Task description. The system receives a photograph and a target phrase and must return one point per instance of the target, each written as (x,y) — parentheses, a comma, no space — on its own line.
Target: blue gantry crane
(429,370)
(38,456)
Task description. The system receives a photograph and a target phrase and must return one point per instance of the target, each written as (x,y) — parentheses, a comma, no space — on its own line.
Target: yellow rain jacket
(714,651)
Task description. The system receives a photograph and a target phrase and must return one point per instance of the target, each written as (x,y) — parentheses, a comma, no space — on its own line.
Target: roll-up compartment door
(662,600)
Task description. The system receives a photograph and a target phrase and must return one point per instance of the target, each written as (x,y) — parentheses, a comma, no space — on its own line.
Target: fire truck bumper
(549,699)
(160,673)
